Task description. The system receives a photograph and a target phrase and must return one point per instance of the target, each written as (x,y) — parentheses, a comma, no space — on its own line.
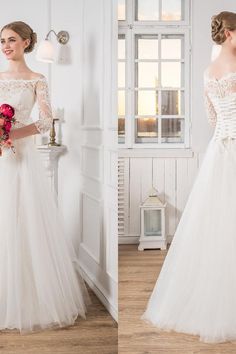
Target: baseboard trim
(100,292)
(128,240)
(134,239)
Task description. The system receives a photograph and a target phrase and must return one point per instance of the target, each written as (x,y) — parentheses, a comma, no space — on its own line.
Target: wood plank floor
(96,334)
(138,272)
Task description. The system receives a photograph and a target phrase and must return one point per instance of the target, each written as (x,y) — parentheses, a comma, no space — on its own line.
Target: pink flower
(6,120)
(7,110)
(7,126)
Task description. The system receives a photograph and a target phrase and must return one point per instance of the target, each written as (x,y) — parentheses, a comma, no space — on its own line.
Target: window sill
(170,152)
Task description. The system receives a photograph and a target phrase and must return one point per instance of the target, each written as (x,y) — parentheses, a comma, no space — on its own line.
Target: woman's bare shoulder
(215,70)
(29,75)
(37,76)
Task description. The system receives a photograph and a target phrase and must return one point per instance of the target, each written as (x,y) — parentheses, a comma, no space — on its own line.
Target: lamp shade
(215,51)
(45,52)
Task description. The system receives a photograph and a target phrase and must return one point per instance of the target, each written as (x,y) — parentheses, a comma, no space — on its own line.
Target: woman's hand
(23,132)
(12,135)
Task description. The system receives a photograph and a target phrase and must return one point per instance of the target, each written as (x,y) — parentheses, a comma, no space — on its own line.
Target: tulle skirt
(40,285)
(195,292)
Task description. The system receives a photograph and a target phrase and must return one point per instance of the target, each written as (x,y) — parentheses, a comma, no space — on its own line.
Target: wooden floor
(138,271)
(96,334)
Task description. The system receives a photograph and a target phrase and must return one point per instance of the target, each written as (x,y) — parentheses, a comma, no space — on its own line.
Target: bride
(196,289)
(39,284)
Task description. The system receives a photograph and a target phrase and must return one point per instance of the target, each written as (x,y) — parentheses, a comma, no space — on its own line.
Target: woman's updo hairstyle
(24,31)
(224,20)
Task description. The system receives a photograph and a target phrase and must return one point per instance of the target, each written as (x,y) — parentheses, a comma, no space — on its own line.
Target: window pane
(171,74)
(147,47)
(121,103)
(121,10)
(147,102)
(172,10)
(147,10)
(121,74)
(147,75)
(146,128)
(121,47)
(171,102)
(121,126)
(172,130)
(171,47)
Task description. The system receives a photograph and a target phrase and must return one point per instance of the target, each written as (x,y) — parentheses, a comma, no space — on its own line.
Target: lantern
(152,212)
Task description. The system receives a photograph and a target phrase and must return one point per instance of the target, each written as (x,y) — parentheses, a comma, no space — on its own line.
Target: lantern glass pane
(152,223)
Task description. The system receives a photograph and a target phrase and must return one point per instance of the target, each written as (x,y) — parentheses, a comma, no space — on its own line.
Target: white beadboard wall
(174,175)
(83,90)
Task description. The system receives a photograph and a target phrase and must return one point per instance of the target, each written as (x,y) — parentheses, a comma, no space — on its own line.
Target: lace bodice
(220,104)
(22,95)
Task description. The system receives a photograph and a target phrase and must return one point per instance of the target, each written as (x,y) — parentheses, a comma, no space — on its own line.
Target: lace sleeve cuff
(43,124)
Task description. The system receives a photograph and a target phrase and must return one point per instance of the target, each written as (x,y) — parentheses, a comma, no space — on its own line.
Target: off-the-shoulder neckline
(35,79)
(223,77)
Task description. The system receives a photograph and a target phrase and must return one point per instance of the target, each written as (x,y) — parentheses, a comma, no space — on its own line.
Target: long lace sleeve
(210,111)
(43,124)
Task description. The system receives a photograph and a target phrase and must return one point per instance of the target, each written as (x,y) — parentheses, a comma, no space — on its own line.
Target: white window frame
(130,28)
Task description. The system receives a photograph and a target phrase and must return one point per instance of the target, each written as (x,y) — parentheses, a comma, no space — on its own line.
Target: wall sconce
(45,51)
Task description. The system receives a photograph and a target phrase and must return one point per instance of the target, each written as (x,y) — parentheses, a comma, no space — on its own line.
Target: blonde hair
(224,20)
(24,31)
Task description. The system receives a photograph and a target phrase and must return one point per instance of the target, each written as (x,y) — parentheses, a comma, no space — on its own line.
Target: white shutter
(121,196)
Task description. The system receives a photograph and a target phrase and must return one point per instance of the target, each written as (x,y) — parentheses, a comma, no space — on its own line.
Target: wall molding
(134,239)
(95,142)
(99,149)
(82,238)
(85,248)
(99,290)
(158,152)
(109,241)
(91,127)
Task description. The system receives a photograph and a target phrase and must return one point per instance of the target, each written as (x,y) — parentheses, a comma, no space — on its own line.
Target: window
(153,80)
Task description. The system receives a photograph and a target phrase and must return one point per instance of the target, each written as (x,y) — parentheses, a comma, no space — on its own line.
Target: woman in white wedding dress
(195,292)
(40,287)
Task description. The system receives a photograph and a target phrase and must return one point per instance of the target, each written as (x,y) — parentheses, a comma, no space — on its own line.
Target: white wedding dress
(195,292)
(40,285)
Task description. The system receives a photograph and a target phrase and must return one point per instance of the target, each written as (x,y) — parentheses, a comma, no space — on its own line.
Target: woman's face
(12,44)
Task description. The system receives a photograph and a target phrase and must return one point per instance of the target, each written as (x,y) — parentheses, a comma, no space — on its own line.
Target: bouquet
(7,113)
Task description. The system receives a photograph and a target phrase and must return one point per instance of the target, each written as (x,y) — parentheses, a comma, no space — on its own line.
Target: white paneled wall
(172,177)
(98,247)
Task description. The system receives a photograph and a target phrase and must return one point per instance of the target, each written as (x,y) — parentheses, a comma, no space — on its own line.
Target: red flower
(7,110)
(7,118)
(7,126)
